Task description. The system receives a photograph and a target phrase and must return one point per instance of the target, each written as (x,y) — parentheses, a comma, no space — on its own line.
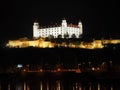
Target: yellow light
(93,68)
(24,70)
(41,70)
(98,68)
(58,69)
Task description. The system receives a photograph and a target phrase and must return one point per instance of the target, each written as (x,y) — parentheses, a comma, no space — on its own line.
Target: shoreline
(88,76)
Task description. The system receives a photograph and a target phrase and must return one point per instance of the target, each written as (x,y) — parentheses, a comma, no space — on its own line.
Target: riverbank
(111,76)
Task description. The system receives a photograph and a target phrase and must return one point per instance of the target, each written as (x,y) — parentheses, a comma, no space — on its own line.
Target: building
(64,30)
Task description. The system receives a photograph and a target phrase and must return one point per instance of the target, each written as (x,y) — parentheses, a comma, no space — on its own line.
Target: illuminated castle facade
(64,30)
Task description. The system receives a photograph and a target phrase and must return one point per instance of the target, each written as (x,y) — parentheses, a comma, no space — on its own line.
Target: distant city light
(93,68)
(58,69)
(19,65)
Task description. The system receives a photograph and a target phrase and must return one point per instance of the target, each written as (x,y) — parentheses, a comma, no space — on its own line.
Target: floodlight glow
(19,66)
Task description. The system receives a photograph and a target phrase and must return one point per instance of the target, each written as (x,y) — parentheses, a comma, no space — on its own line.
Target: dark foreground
(60,81)
(58,75)
(108,78)
(11,56)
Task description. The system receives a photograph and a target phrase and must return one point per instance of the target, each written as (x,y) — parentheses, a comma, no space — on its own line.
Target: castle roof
(50,26)
(71,25)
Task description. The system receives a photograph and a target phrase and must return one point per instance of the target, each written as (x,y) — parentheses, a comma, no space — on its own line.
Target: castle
(64,30)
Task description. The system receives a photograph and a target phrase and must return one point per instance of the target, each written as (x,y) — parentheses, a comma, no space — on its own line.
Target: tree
(51,37)
(47,39)
(73,36)
(59,36)
(74,39)
(59,39)
(66,35)
(80,36)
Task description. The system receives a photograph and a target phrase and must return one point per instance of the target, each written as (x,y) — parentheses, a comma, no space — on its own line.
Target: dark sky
(99,18)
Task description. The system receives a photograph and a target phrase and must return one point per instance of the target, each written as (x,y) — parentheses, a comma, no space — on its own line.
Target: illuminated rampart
(29,43)
(41,43)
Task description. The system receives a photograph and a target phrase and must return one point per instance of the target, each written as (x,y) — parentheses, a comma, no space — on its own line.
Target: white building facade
(69,30)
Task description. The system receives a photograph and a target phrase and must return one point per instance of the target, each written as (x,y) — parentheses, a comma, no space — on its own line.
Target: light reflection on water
(57,85)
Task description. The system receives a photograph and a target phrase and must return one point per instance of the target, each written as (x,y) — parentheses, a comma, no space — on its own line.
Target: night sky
(100,19)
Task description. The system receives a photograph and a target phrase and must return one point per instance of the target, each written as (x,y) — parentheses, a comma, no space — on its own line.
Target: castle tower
(64,26)
(64,23)
(35,30)
(80,26)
